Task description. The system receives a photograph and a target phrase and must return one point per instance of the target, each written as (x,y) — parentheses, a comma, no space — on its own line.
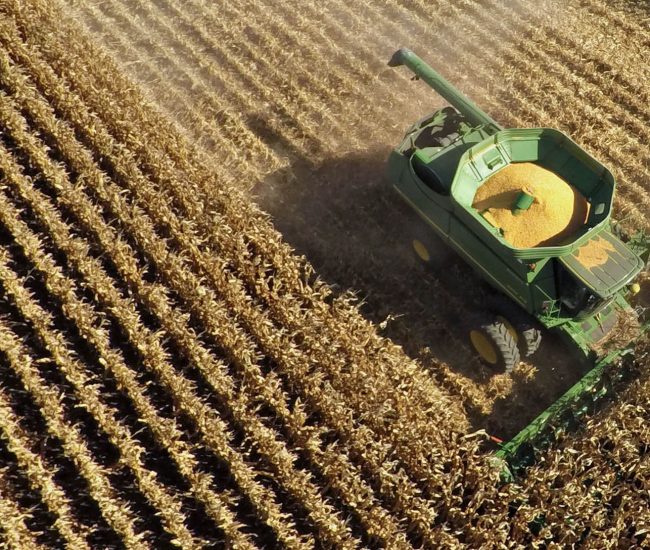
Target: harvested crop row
(278,31)
(230,135)
(605,77)
(623,27)
(296,131)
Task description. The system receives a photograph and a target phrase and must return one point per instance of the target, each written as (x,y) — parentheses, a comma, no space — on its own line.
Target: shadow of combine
(342,215)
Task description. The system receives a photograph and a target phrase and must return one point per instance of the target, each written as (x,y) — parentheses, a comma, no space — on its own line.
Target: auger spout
(467,108)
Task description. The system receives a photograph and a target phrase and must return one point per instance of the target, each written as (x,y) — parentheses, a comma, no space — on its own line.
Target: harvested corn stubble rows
(172,373)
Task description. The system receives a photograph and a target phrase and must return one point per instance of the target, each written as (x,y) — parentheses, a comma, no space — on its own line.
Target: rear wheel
(424,246)
(421,251)
(495,344)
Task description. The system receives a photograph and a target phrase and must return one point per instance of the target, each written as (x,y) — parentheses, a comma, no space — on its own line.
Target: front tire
(528,333)
(495,345)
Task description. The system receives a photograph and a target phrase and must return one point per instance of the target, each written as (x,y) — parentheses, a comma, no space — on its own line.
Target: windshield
(576,299)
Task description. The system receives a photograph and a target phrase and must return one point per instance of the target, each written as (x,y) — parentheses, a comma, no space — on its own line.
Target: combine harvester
(577,284)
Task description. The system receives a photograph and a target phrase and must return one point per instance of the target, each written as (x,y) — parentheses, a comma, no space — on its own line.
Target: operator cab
(604,264)
(589,277)
(576,299)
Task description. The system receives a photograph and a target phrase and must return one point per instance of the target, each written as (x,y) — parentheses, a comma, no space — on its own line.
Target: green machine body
(437,169)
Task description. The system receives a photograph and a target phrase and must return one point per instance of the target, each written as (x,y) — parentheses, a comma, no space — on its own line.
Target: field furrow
(549,44)
(631,32)
(301,95)
(41,475)
(276,36)
(131,451)
(14,532)
(113,508)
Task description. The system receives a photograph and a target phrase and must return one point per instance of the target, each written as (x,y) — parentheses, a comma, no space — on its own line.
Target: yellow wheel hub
(421,250)
(512,330)
(483,346)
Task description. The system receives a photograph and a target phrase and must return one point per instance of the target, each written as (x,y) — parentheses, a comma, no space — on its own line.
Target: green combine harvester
(437,169)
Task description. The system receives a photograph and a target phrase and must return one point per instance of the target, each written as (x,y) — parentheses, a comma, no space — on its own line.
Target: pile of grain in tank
(557,212)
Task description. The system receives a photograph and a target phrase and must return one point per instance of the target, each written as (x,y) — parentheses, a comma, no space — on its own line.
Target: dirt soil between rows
(344,217)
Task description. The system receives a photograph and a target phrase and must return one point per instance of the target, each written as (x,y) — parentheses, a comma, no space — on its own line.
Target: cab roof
(604,264)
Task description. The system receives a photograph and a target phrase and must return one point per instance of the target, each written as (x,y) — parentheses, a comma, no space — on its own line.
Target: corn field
(211,334)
